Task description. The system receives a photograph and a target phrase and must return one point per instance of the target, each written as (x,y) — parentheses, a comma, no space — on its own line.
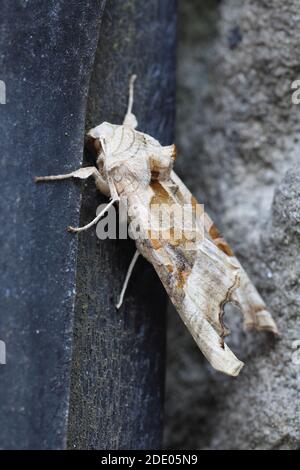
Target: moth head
(98,137)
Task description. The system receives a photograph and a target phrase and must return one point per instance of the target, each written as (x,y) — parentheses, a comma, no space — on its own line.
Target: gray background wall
(238,150)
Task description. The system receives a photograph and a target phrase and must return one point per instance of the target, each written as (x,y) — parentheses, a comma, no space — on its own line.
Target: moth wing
(198,277)
(254,310)
(200,302)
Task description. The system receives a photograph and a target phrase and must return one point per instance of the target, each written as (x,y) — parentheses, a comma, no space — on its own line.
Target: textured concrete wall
(238,138)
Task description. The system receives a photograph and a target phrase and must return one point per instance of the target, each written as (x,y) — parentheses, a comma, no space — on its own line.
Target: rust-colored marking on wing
(170,268)
(214,232)
(194,201)
(195,205)
(154,240)
(160,196)
(182,277)
(223,246)
(218,240)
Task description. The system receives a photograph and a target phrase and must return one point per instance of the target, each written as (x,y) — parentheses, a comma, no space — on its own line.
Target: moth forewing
(197,276)
(252,306)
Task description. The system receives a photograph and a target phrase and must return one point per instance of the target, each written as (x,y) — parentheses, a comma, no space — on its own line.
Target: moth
(198,269)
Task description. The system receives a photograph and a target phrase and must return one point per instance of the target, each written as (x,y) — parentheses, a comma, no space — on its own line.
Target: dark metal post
(46,56)
(118,368)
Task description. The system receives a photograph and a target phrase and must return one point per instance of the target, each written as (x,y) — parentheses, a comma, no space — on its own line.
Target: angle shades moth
(198,269)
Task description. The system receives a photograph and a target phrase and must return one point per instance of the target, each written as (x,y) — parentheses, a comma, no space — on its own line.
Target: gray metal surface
(119,356)
(46,56)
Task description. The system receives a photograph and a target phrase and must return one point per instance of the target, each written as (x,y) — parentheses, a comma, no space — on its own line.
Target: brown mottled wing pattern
(196,266)
(246,296)
(198,276)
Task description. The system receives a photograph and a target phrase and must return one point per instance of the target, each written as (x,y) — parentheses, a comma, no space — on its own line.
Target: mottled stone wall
(238,139)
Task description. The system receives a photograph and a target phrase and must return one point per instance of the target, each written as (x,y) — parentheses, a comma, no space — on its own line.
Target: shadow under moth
(196,266)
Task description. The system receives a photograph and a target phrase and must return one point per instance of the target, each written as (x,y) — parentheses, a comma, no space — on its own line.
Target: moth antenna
(40,179)
(93,222)
(131,94)
(127,279)
(130,119)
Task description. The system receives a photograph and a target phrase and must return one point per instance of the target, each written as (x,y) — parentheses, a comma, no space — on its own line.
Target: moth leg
(130,119)
(127,278)
(82,173)
(113,189)
(94,221)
